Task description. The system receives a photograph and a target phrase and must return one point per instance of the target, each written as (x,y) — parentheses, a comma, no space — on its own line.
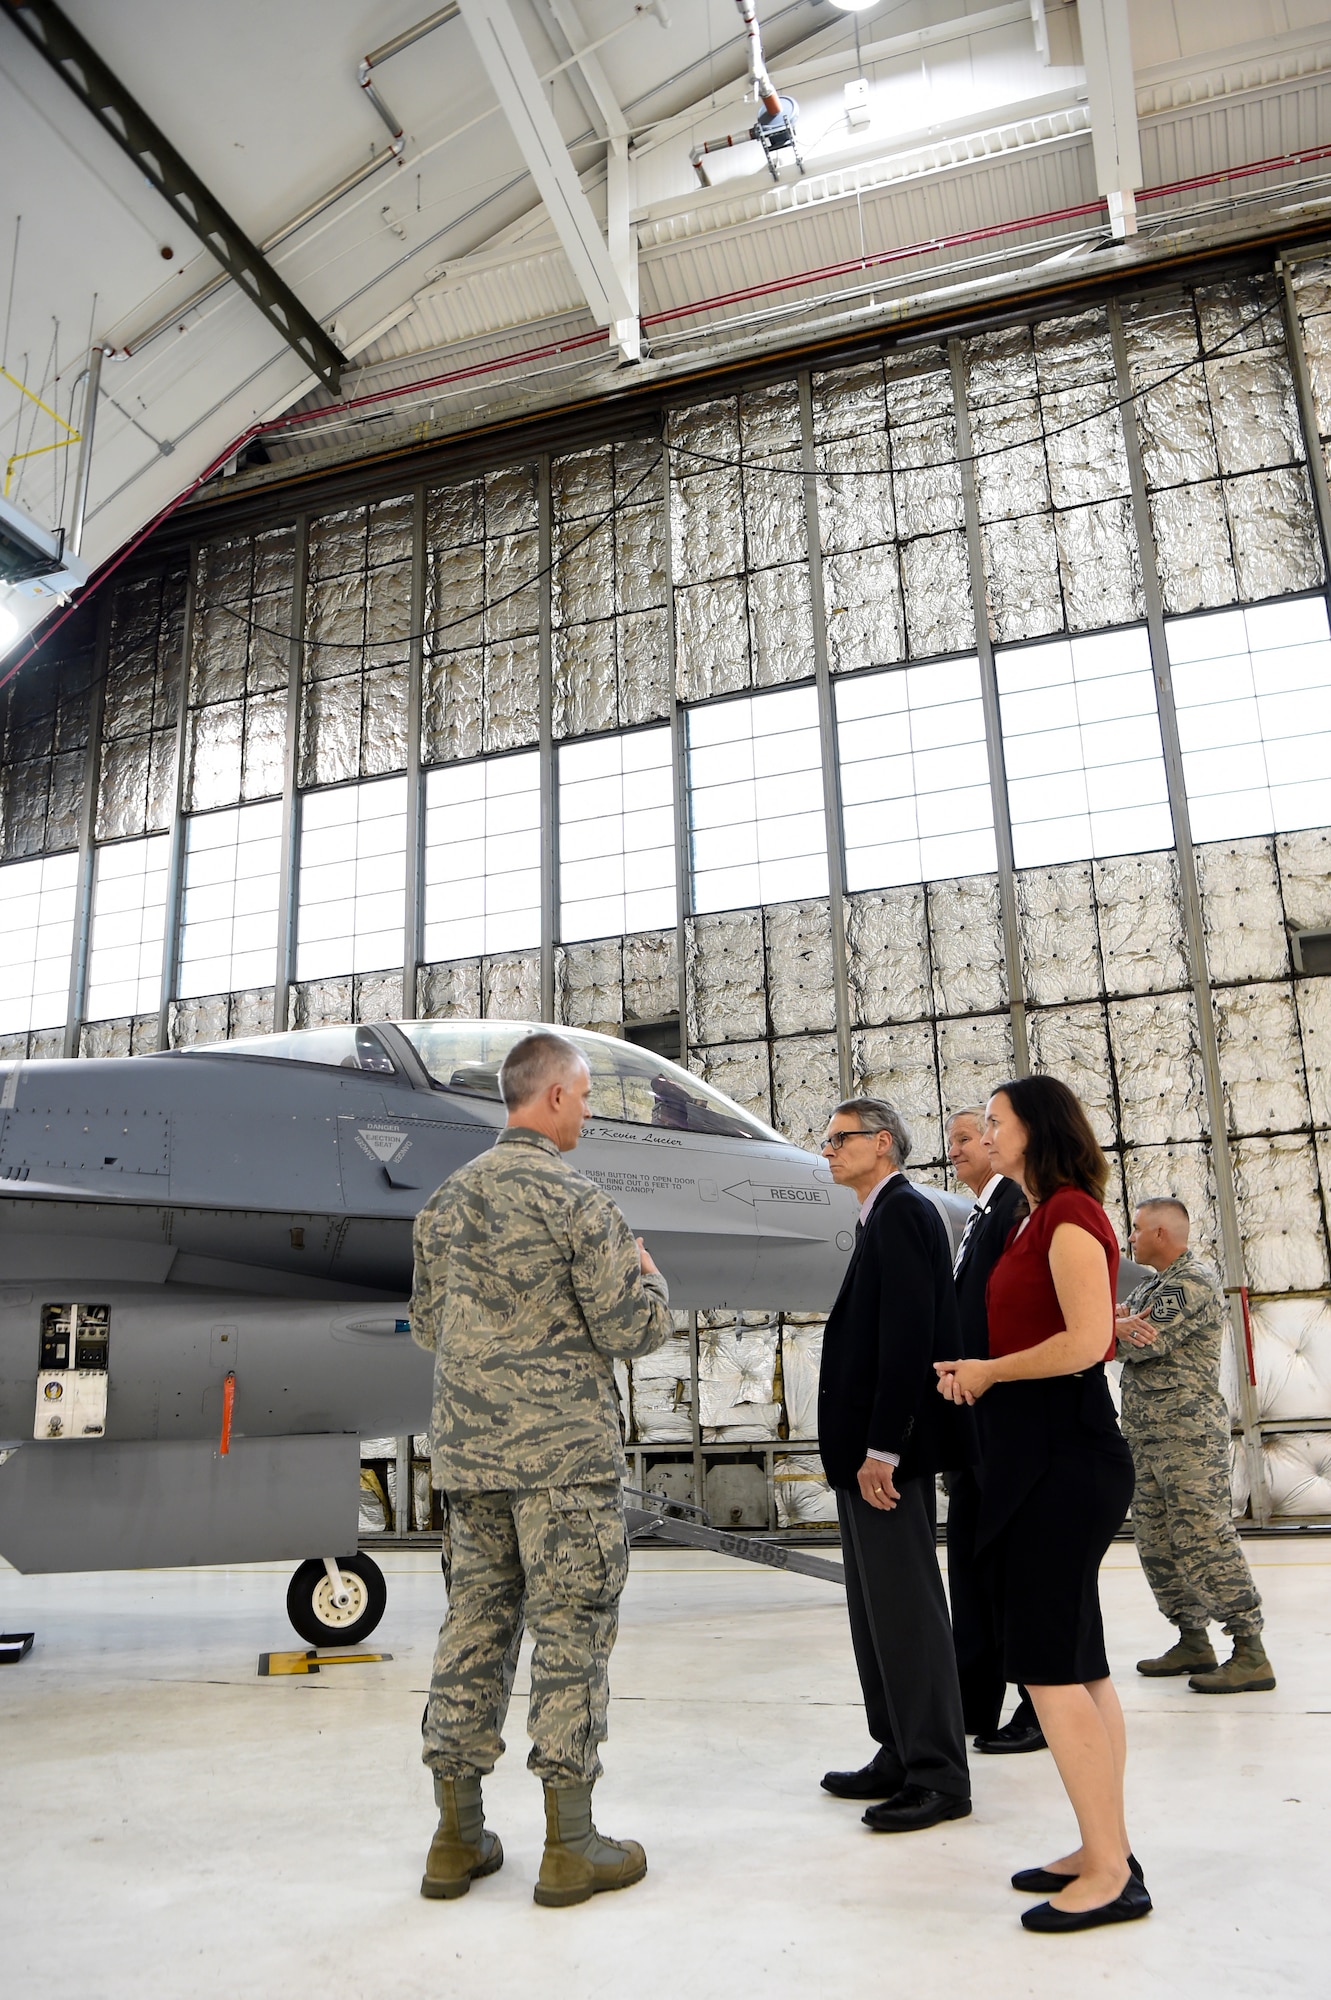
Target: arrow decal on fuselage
(753,1192)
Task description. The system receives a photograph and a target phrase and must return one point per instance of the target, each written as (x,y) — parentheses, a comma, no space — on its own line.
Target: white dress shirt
(883,1457)
(982,1201)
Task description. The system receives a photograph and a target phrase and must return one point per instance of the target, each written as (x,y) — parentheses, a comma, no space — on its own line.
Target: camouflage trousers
(1182,1522)
(555,1557)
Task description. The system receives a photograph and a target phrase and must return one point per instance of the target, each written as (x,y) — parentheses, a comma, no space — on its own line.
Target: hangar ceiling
(443,224)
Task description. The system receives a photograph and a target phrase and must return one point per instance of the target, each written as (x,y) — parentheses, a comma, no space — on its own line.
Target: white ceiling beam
(513,77)
(1112,94)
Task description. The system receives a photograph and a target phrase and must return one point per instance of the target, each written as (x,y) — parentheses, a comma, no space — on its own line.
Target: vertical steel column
(284,972)
(1303,389)
(403,1509)
(836,853)
(175,870)
(549,795)
(92,777)
(1193,924)
(993,727)
(415,904)
(679,766)
(695,1414)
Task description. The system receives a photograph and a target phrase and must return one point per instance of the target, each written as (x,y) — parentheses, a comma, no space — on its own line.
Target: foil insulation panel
(44,714)
(449,992)
(801,1361)
(966,943)
(1021,566)
(511,987)
(726,977)
(1313,999)
(1141,923)
(1099,566)
(936,587)
(1185,1171)
(1158,1070)
(133,1035)
(974,1057)
(801,985)
(1261,1061)
(1073,1044)
(1060,940)
(805,1086)
(866,621)
(901,1064)
(136,793)
(1280,1215)
(711,640)
(321,1003)
(589,985)
(1243,911)
(743,1070)
(1305,878)
(651,976)
(887,950)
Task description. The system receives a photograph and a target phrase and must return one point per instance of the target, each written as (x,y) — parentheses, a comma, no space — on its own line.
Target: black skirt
(1061,1487)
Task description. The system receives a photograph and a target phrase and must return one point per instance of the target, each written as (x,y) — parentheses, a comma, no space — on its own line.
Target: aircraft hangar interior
(787,542)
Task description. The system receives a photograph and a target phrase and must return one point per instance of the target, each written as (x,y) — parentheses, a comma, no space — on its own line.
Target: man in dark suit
(974,1620)
(883,1432)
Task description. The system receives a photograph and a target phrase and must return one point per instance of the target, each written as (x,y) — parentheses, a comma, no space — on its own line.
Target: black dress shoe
(880,1779)
(915,1807)
(1132,1903)
(1048,1882)
(1014,1737)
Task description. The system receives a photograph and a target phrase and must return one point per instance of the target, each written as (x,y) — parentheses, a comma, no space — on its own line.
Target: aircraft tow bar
(658,1515)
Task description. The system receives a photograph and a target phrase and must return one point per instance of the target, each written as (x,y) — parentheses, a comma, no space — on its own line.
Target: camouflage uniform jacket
(527,1284)
(1174,1385)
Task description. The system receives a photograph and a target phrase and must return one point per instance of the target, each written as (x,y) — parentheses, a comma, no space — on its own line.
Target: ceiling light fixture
(854,6)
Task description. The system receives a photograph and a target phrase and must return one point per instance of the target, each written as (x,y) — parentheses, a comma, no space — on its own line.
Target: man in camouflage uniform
(528,1284)
(1175,1420)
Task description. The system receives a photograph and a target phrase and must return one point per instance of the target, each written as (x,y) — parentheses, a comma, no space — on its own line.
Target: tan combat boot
(1190,1654)
(578,1862)
(1247,1671)
(462,1847)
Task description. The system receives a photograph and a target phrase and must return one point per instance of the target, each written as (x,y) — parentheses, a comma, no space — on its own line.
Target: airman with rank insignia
(1177,1424)
(528,1287)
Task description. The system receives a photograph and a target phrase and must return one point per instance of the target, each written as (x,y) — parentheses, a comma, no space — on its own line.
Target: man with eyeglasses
(883,1433)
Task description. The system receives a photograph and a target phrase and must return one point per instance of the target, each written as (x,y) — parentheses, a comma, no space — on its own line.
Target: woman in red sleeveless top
(1057,1481)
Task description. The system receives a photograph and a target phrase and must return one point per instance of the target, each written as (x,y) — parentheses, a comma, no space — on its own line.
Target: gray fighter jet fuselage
(205,1258)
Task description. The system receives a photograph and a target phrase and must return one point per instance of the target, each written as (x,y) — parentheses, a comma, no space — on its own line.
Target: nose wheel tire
(312,1603)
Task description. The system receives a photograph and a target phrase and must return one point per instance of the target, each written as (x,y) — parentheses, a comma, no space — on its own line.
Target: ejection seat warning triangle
(384,1143)
(272,1664)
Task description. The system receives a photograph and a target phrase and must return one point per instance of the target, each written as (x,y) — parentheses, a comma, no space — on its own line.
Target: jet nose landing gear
(336,1600)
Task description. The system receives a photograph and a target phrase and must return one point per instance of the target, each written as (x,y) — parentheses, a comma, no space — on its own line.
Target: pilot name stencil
(384,1143)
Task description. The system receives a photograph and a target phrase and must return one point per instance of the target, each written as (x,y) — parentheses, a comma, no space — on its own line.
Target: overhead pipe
(405,40)
(763,87)
(93,375)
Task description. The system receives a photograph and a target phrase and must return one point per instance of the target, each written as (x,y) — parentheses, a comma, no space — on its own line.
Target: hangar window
(914,775)
(756,828)
(128,927)
(483,857)
(228,934)
(1253,694)
(37,923)
(616,835)
(351,908)
(1081,741)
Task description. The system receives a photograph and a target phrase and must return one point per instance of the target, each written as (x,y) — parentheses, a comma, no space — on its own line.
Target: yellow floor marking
(271,1664)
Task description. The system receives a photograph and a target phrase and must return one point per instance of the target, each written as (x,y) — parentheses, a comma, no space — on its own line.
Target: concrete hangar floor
(173,1825)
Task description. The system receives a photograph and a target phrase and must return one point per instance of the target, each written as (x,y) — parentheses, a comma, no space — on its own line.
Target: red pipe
(1247,1335)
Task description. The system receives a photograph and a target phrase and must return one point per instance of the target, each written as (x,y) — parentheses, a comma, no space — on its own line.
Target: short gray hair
(877,1115)
(972,1111)
(1169,1201)
(533,1064)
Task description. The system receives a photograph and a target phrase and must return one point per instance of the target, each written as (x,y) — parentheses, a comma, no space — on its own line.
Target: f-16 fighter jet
(205,1257)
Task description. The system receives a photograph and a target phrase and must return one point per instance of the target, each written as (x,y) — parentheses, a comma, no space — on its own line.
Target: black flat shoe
(915,1807)
(1013,1739)
(1045,1882)
(1132,1903)
(881,1779)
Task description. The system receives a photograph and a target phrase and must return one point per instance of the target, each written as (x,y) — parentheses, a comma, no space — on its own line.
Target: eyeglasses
(836,1140)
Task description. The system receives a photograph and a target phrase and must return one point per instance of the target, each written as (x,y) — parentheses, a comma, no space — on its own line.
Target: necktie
(966,1235)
